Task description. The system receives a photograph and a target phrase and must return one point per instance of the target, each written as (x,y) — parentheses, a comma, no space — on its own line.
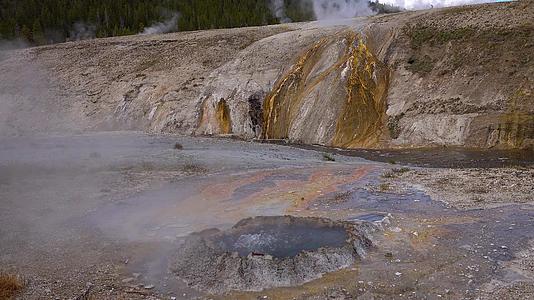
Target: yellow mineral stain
(516,125)
(281,105)
(223,117)
(361,122)
(361,119)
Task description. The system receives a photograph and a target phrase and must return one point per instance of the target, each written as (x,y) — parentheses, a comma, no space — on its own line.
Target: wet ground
(438,157)
(106,212)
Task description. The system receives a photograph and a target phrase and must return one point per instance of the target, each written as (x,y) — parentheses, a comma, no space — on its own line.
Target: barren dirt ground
(102,214)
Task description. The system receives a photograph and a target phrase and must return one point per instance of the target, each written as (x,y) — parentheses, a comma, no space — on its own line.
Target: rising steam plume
(326,9)
(279,11)
(340,9)
(163,27)
(343,9)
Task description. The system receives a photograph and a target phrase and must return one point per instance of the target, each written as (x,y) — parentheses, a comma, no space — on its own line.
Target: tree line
(50,21)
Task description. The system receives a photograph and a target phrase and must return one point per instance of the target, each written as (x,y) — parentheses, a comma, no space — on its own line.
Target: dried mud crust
(205,265)
(470,188)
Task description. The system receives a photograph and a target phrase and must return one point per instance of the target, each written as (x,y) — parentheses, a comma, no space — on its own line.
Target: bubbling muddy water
(283,239)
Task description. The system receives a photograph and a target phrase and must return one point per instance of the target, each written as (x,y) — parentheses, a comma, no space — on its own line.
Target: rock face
(334,95)
(451,77)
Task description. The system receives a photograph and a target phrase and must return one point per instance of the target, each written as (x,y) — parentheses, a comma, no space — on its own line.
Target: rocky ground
(523,264)
(104,214)
(470,188)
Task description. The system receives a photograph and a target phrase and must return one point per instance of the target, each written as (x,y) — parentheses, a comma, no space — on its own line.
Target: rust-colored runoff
(223,117)
(362,119)
(516,125)
(362,108)
(281,105)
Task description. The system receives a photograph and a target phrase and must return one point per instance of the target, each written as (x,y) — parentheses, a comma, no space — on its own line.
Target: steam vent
(266,252)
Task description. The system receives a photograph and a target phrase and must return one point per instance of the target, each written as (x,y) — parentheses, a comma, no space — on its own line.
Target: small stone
(128,280)
(149,286)
(396,229)
(398,273)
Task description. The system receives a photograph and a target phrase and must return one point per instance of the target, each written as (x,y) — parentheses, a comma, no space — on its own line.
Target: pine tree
(34,20)
(26,33)
(37,33)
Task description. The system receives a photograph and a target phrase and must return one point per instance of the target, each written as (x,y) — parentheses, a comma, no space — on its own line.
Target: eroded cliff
(450,77)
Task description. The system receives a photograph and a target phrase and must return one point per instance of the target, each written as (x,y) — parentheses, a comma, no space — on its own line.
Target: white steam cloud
(163,27)
(82,31)
(279,11)
(345,9)
(326,9)
(341,9)
(425,4)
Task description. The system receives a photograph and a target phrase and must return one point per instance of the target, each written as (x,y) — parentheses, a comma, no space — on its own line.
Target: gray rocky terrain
(174,166)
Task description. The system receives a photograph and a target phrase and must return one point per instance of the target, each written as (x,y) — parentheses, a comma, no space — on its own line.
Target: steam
(163,27)
(6,45)
(82,31)
(341,9)
(279,11)
(425,4)
(345,9)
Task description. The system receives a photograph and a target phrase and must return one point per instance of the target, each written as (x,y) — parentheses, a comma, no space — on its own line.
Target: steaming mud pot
(267,252)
